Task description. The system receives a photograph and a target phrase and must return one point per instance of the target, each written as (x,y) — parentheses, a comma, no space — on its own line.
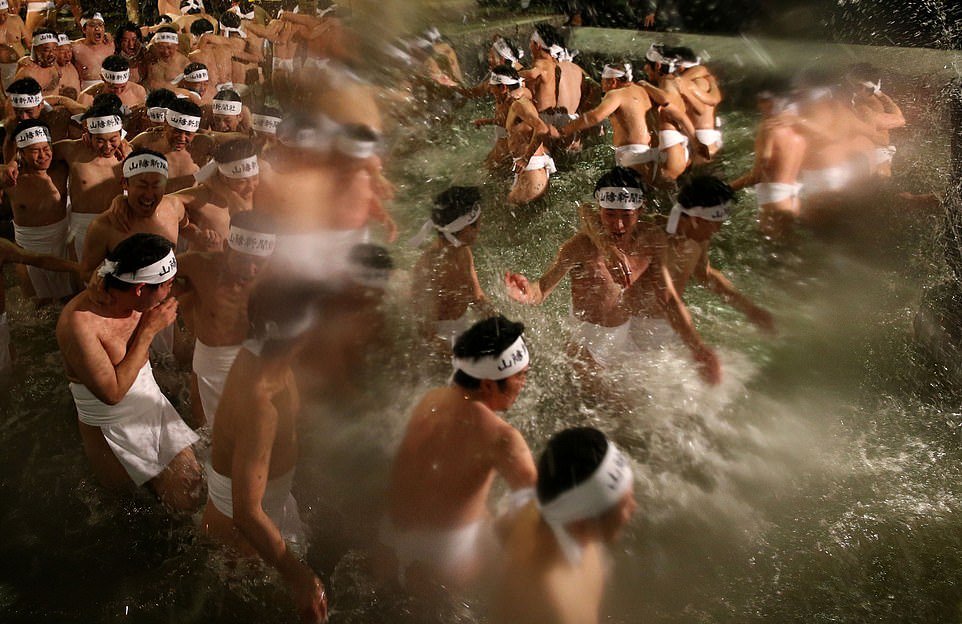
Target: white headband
(115,77)
(97,17)
(156,273)
(265,123)
(226,107)
(655,56)
(4,5)
(227,30)
(355,148)
(556,51)
(500,79)
(876,87)
(188,123)
(504,51)
(509,362)
(166,37)
(712,213)
(198,75)
(449,230)
(190,6)
(248,16)
(620,198)
(44,38)
(690,64)
(239,169)
(591,498)
(157,114)
(63,40)
(26,100)
(616,72)
(250,242)
(32,136)
(104,125)
(145,163)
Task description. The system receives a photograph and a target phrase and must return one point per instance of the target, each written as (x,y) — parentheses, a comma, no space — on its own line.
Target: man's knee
(180,485)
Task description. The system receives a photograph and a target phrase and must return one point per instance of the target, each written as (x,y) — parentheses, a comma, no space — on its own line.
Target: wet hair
(192,67)
(704,190)
(549,34)
(27,124)
(569,459)
(185,107)
(192,11)
(134,253)
(684,53)
(115,63)
(235,149)
(160,97)
(227,95)
(109,100)
(201,26)
(278,306)
(101,110)
(485,338)
(621,176)
(255,221)
(506,70)
(371,256)
(126,27)
(230,20)
(454,203)
(24,86)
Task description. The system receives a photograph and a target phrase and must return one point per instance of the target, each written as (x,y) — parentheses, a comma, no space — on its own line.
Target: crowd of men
(194,199)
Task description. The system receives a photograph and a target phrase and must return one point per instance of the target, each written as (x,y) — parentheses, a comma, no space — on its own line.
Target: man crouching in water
(555,564)
(454,443)
(250,507)
(130,430)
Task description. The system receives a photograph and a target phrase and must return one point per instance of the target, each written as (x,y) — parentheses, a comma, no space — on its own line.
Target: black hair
(570,458)
(201,26)
(235,149)
(371,256)
(185,107)
(102,110)
(24,86)
(255,221)
(485,338)
(230,19)
(622,176)
(29,123)
(192,67)
(133,253)
(119,34)
(684,53)
(227,95)
(704,190)
(109,101)
(453,203)
(549,34)
(115,63)
(506,70)
(166,29)
(160,97)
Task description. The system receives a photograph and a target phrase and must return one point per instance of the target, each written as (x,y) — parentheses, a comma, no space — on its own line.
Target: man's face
(116,89)
(178,139)
(149,297)
(164,51)
(64,54)
(512,386)
(224,123)
(615,519)
(105,145)
(244,187)
(22,114)
(129,44)
(94,31)
(45,55)
(244,267)
(144,192)
(618,223)
(37,156)
(200,88)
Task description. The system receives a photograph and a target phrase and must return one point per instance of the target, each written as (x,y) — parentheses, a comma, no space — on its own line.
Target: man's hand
(309,597)
(159,317)
(519,288)
(9,173)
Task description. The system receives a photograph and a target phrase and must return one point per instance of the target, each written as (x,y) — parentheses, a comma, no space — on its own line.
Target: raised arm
(722,286)
(521,290)
(609,104)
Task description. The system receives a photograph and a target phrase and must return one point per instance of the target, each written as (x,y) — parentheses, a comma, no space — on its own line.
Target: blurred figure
(875,108)
(699,88)
(555,566)
(675,130)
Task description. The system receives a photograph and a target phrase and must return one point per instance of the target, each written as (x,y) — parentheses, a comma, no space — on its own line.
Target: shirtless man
(627,105)
(69,77)
(499,156)
(555,567)
(779,151)
(264,123)
(164,62)
(446,283)
(115,72)
(152,114)
(185,150)
(247,39)
(89,52)
(129,43)
(195,83)
(192,11)
(143,208)
(41,65)
(878,110)
(226,113)
(28,102)
(130,431)
(702,95)
(703,205)
(549,58)
(526,134)
(675,130)
(13,33)
(214,53)
(39,202)
(437,521)
(254,449)
(221,282)
(212,205)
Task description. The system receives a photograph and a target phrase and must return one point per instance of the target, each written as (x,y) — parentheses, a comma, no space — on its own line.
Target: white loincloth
(211,365)
(537,163)
(451,329)
(321,254)
(6,358)
(668,139)
(652,334)
(635,154)
(445,551)
(79,222)
(774,192)
(883,155)
(605,344)
(50,240)
(827,180)
(37,7)
(143,430)
(278,502)
(709,137)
